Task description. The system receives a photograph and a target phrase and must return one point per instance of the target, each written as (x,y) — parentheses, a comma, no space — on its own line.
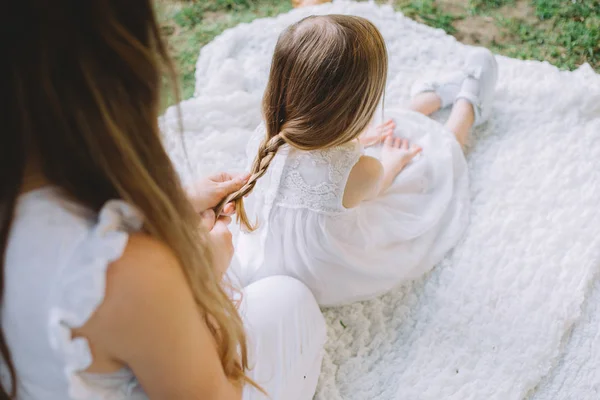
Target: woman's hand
(208,192)
(378,134)
(220,240)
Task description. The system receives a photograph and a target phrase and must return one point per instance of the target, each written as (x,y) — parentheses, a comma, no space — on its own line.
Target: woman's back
(55,272)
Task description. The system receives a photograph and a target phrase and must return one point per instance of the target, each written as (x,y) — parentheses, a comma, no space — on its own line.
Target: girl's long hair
(327,79)
(81,93)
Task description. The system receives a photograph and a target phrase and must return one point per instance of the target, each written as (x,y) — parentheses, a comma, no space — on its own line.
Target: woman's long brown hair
(327,78)
(81,86)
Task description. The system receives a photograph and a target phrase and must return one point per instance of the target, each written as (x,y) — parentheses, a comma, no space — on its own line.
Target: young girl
(352,226)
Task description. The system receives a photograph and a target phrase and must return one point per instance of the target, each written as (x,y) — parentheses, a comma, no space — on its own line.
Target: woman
(111,284)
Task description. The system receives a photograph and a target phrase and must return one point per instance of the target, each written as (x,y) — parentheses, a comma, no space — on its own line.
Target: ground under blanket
(505,315)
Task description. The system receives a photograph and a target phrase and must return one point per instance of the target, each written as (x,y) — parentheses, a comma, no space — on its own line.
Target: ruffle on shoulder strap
(80,288)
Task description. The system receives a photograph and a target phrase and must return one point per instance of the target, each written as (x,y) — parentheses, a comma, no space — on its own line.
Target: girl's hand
(208,192)
(378,134)
(396,154)
(220,240)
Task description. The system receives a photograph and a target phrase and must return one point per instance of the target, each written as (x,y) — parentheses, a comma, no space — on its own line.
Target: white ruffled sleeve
(81,287)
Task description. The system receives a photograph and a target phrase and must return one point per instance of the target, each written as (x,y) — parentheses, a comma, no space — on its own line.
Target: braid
(266,153)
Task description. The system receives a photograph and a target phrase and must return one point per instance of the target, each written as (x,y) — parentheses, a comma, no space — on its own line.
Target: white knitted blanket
(514,311)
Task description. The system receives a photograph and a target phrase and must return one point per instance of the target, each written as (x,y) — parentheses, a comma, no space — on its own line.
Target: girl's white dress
(345,255)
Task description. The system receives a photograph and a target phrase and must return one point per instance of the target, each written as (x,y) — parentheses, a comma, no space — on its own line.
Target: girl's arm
(364,182)
(370,177)
(150,323)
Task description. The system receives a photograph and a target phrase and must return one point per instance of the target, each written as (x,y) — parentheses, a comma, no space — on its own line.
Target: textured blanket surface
(514,311)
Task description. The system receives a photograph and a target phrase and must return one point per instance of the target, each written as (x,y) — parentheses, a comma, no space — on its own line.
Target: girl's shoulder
(363,181)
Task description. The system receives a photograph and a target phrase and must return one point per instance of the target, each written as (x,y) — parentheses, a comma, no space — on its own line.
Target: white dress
(345,255)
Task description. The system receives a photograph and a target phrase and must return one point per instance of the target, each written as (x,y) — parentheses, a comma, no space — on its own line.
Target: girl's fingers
(397,143)
(405,144)
(380,133)
(387,124)
(387,133)
(415,150)
(388,141)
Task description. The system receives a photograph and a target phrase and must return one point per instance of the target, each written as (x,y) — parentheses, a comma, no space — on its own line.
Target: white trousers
(286,334)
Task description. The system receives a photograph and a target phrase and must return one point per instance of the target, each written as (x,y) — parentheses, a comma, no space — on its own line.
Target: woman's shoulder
(145,262)
(146,275)
(111,259)
(115,276)
(91,265)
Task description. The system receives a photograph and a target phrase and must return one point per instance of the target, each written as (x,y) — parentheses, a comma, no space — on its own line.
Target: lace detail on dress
(316,179)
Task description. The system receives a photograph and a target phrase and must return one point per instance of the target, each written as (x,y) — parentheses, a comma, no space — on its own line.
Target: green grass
(564,32)
(483,6)
(428,12)
(190,25)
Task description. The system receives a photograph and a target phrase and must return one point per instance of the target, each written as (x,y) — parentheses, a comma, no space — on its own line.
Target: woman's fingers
(234,184)
(208,219)
(210,222)
(221,177)
(229,209)
(224,219)
(221,244)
